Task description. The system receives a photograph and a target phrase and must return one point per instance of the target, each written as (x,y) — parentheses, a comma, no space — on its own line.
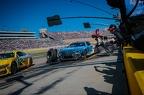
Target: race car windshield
(6,55)
(77,44)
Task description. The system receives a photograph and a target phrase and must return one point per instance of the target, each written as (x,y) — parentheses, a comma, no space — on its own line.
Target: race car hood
(6,61)
(72,49)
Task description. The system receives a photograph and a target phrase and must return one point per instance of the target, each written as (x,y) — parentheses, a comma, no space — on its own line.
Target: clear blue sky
(31,14)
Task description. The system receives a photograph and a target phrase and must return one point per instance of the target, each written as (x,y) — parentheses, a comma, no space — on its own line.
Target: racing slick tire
(85,54)
(75,56)
(31,62)
(51,56)
(13,68)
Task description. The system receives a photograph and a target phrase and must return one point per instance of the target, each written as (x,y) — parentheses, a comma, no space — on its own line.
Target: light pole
(56,19)
(116,17)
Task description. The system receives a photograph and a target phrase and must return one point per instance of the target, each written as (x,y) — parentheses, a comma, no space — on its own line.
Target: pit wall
(40,50)
(134,66)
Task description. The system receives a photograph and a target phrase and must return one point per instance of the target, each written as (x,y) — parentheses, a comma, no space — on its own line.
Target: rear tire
(31,61)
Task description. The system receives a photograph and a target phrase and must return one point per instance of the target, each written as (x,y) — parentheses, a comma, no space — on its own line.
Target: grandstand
(70,35)
(77,34)
(10,40)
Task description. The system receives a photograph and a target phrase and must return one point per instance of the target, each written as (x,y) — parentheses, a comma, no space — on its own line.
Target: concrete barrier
(38,50)
(134,65)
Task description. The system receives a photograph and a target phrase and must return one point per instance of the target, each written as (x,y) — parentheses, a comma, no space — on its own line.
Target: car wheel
(51,56)
(85,53)
(31,61)
(13,68)
(75,56)
(60,59)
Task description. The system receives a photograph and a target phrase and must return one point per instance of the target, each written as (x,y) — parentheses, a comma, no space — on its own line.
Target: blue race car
(74,51)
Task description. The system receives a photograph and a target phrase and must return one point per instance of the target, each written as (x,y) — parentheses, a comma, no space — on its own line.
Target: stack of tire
(52,56)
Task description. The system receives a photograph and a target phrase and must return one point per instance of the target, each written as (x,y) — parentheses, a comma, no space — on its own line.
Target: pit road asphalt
(100,74)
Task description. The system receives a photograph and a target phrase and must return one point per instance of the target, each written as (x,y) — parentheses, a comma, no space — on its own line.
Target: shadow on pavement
(120,84)
(92,91)
(11,81)
(115,76)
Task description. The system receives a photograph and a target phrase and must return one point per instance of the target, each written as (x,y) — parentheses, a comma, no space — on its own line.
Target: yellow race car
(10,62)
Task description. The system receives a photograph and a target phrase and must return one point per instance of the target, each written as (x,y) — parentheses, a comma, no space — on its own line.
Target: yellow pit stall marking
(90,57)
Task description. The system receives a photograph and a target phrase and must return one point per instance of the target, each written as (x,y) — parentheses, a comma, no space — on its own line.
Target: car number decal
(20,61)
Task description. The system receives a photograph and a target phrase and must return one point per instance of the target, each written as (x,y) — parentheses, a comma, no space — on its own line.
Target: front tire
(13,68)
(85,53)
(76,56)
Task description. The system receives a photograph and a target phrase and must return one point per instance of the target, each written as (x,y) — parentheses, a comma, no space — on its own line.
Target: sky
(31,14)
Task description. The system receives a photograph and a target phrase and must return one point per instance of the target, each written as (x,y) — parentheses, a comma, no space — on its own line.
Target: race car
(74,51)
(10,62)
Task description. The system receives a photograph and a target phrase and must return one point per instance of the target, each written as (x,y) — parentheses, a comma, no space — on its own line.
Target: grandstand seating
(27,43)
(21,44)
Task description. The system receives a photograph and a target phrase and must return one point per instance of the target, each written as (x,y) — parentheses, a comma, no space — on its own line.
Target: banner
(129,4)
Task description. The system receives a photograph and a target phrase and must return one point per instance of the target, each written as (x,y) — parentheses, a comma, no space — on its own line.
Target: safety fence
(134,66)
